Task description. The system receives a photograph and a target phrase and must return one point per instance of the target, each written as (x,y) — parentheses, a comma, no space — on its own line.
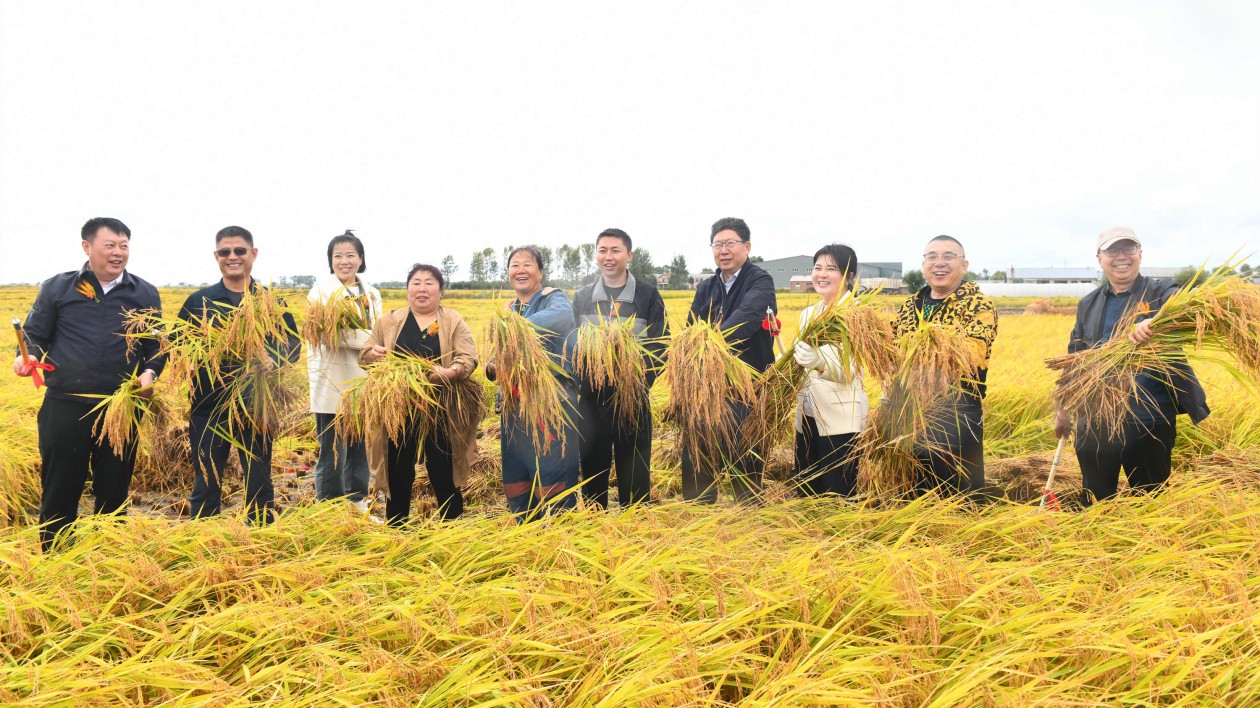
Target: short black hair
(943,237)
(732,224)
(845,257)
(431,270)
(237,231)
(615,233)
(531,251)
(104,222)
(348,237)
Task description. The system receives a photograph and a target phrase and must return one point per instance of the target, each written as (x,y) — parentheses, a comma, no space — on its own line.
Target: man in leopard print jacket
(951,454)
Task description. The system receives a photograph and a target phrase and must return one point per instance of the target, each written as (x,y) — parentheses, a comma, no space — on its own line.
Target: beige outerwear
(328,372)
(455,340)
(838,399)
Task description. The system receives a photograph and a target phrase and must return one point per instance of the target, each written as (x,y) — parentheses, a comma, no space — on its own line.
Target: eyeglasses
(719,245)
(946,257)
(237,251)
(1128,250)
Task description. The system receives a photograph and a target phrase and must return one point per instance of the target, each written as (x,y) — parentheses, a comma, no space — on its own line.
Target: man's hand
(146,379)
(375,354)
(18,361)
(441,374)
(1141,331)
(1062,423)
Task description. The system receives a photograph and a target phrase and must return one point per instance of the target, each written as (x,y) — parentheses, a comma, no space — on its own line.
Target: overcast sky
(1022,128)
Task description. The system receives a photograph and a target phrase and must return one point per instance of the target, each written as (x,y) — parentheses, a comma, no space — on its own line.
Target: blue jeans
(536,484)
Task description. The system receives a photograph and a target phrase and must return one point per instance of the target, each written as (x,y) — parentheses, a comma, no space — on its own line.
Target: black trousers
(745,465)
(210,457)
(606,440)
(1144,452)
(824,464)
(69,450)
(435,452)
(952,458)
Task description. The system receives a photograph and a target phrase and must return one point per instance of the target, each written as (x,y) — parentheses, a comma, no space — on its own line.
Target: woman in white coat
(833,404)
(342,468)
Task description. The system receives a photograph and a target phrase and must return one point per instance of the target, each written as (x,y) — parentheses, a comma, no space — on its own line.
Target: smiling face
(524,274)
(237,261)
(613,258)
(346,262)
(730,253)
(1119,265)
(827,277)
(944,265)
(424,293)
(107,254)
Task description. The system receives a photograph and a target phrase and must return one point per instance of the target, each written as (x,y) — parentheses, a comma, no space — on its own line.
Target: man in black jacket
(615,297)
(1143,447)
(207,421)
(77,323)
(734,299)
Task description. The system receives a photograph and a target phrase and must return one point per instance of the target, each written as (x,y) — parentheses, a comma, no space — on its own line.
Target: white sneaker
(361,505)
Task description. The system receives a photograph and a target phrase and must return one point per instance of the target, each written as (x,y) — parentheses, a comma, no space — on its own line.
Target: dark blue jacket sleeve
(41,320)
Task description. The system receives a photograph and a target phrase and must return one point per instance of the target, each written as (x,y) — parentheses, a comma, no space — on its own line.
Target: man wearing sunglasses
(207,424)
(1143,447)
(75,328)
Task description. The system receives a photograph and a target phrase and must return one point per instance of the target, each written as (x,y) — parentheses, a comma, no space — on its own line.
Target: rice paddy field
(1141,601)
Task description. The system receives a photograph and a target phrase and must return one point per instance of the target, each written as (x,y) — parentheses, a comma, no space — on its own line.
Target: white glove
(829,358)
(806,355)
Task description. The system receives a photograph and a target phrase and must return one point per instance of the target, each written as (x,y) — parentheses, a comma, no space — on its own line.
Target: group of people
(78,316)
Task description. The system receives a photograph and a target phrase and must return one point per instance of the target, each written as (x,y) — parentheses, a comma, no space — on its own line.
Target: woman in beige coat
(426,329)
(833,404)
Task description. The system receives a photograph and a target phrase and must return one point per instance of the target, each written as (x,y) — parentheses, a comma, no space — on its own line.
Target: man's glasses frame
(237,251)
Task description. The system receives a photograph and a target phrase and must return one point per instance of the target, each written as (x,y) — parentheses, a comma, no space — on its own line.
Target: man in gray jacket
(1143,448)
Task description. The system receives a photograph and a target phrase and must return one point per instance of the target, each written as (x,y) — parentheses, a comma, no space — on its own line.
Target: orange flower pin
(1144,307)
(85,289)
(433,328)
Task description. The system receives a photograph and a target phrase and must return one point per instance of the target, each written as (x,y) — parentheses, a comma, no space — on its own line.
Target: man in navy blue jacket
(1143,446)
(76,323)
(735,299)
(235,254)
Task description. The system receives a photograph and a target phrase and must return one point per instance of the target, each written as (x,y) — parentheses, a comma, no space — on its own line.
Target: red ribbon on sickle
(772,325)
(31,368)
(1052,502)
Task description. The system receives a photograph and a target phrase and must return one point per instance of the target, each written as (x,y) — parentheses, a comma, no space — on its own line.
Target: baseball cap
(1117,233)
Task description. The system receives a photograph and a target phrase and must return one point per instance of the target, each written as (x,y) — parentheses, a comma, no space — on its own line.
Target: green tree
(1000,276)
(449,268)
(477,268)
(756,259)
(913,280)
(641,267)
(678,273)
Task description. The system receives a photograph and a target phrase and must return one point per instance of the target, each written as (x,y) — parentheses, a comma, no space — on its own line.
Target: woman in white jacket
(833,404)
(342,468)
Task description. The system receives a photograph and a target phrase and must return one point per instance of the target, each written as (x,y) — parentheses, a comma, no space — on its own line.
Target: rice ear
(529,379)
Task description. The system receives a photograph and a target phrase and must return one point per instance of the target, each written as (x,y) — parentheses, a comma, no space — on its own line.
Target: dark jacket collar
(627,293)
(124,279)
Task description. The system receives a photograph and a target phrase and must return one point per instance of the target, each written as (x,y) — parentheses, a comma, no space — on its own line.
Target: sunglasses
(237,251)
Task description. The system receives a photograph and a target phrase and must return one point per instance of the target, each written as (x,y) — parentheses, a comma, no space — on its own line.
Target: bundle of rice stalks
(937,360)
(609,356)
(392,391)
(239,350)
(1220,316)
(528,378)
(703,374)
(325,320)
(858,328)
(164,460)
(124,412)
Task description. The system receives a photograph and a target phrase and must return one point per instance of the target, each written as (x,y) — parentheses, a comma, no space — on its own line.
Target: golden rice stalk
(1220,316)
(392,392)
(325,320)
(861,332)
(610,356)
(703,373)
(462,403)
(528,378)
(937,360)
(124,409)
